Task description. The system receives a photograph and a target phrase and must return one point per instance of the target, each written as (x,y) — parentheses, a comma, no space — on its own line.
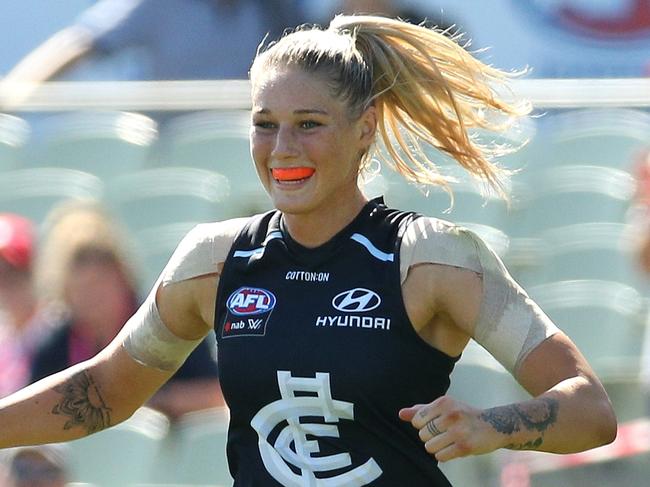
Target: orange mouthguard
(292,173)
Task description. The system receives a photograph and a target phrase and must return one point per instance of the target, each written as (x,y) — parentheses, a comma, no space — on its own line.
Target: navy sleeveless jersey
(317,355)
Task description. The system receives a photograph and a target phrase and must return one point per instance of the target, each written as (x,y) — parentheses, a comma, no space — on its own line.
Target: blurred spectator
(36,466)
(639,214)
(23,322)
(84,264)
(555,39)
(172,39)
(639,223)
(153,40)
(642,174)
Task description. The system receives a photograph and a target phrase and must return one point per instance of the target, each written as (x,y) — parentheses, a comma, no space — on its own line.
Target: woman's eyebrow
(301,111)
(310,111)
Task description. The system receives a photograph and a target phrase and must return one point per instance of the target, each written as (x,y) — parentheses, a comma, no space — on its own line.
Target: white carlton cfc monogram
(290,408)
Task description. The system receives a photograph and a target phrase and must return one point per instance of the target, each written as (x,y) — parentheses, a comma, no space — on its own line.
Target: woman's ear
(368,123)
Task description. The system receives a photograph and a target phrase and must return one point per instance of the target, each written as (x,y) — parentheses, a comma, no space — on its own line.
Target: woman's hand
(451,429)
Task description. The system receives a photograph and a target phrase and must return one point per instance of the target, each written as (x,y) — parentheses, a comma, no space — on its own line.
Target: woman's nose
(285,143)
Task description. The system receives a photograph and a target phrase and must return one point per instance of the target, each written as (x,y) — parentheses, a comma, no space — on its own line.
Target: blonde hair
(427,89)
(76,230)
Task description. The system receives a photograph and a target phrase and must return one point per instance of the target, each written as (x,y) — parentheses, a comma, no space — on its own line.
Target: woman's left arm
(569,410)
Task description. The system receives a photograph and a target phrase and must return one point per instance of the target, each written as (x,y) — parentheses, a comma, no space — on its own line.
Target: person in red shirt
(23,321)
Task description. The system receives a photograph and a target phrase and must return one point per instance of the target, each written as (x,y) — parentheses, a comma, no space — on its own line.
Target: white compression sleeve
(151,343)
(202,250)
(510,324)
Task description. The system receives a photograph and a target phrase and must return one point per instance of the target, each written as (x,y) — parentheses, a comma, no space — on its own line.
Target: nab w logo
(356,300)
(254,324)
(248,310)
(250,301)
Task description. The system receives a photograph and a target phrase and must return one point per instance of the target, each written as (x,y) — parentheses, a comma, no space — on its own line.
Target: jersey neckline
(300,251)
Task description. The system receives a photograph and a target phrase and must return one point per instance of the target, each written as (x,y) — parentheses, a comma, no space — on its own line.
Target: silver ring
(432,428)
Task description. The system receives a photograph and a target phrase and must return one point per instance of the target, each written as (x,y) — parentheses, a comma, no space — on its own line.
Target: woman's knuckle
(454,416)
(422,434)
(464,447)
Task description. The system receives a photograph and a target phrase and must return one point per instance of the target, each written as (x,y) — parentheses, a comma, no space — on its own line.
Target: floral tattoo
(537,416)
(83,403)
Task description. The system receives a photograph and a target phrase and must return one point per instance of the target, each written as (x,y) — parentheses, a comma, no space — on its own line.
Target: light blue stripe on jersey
(374,251)
(259,250)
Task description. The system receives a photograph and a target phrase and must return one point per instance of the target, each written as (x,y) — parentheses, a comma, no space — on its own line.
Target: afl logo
(356,300)
(250,301)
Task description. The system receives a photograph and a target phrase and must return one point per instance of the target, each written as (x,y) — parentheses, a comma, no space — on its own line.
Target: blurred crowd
(64,294)
(178,39)
(215,39)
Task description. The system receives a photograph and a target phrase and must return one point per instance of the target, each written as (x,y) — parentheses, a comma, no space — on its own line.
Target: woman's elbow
(606,423)
(603,425)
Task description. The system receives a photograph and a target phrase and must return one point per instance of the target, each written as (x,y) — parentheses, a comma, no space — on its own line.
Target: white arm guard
(147,339)
(510,324)
(151,343)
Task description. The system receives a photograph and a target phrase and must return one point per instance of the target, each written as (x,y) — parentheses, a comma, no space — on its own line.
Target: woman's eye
(309,124)
(263,125)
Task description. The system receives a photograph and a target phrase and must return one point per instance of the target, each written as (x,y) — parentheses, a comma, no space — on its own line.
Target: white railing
(235,94)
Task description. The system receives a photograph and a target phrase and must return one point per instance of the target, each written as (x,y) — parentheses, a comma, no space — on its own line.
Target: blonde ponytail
(427,90)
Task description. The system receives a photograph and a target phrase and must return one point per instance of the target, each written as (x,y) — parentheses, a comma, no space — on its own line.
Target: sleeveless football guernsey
(317,355)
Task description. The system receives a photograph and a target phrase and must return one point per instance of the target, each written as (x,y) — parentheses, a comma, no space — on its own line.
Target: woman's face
(297,124)
(99,297)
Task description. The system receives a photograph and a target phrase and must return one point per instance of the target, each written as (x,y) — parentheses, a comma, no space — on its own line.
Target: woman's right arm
(103,391)
(83,399)
(111,386)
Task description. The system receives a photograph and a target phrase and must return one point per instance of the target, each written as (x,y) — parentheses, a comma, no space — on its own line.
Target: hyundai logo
(356,300)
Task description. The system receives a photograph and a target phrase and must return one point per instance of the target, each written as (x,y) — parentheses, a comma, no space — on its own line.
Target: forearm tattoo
(83,403)
(537,415)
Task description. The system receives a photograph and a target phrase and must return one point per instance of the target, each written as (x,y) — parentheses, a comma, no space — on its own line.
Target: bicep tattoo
(537,415)
(83,404)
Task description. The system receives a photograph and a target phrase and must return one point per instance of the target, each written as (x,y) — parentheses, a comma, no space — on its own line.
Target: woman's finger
(450,451)
(430,429)
(425,414)
(438,443)
(406,414)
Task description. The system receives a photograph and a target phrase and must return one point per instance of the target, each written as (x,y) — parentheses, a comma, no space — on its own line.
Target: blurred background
(137,130)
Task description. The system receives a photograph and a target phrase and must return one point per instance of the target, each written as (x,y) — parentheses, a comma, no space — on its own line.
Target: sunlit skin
(297,123)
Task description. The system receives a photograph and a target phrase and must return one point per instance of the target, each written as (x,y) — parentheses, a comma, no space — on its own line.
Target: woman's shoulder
(437,241)
(215,232)
(203,250)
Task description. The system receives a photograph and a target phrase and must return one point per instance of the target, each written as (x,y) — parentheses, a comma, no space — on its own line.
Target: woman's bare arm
(83,399)
(569,410)
(181,397)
